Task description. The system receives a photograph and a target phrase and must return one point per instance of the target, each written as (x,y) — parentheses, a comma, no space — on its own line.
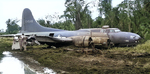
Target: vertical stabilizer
(30,25)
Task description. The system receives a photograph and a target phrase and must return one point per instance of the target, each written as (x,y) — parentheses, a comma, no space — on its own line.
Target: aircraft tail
(30,25)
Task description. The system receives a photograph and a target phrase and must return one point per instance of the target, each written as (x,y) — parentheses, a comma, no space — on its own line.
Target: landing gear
(109,44)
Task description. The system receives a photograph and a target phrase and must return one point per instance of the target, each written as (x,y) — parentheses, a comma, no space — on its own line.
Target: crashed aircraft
(103,37)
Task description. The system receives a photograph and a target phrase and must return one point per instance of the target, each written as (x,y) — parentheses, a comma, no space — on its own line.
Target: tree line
(131,16)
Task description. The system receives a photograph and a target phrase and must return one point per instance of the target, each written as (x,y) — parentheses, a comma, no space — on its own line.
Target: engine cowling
(86,41)
(83,41)
(100,41)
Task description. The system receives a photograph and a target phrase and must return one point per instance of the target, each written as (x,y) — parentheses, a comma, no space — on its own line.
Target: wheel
(109,44)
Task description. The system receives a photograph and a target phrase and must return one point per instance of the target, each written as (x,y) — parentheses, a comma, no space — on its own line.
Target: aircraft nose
(137,37)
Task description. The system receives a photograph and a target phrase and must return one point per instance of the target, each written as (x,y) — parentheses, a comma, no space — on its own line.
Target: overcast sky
(12,9)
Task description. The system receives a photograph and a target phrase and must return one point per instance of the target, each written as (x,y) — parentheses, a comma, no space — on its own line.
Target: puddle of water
(12,65)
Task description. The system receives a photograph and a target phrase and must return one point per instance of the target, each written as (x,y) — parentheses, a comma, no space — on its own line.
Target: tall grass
(5,44)
(140,48)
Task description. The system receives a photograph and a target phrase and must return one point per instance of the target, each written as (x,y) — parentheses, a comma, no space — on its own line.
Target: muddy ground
(72,60)
(75,61)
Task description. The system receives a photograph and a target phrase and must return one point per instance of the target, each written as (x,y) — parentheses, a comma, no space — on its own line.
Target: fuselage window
(83,30)
(95,30)
(109,30)
(103,31)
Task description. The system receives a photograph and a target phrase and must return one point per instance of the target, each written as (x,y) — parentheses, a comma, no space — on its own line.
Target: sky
(12,9)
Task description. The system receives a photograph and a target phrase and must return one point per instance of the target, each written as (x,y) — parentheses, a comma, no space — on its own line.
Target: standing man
(22,42)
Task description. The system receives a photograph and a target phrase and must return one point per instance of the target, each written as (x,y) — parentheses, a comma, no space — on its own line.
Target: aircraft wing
(53,39)
(43,38)
(10,35)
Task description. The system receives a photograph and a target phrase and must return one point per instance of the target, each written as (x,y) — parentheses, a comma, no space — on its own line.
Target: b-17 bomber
(101,37)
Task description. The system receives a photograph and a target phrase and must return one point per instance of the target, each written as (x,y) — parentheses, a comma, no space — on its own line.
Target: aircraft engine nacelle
(100,41)
(83,41)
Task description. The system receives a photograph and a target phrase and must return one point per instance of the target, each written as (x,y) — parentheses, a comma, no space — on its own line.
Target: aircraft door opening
(51,34)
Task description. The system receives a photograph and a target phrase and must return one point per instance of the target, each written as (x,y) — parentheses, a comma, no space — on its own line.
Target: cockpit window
(111,31)
(117,30)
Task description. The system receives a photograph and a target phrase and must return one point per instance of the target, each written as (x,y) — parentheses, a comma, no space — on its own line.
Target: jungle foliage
(130,16)
(12,26)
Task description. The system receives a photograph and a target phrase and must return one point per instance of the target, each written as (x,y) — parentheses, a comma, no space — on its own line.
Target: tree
(12,26)
(66,25)
(77,11)
(137,21)
(43,22)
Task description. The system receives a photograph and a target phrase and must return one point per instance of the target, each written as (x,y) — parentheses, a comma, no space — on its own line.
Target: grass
(120,60)
(5,44)
(116,60)
(140,48)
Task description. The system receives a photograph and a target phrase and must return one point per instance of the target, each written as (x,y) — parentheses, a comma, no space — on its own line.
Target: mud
(127,60)
(33,64)
(107,62)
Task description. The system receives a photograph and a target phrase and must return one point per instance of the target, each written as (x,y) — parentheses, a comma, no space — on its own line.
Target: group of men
(20,42)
